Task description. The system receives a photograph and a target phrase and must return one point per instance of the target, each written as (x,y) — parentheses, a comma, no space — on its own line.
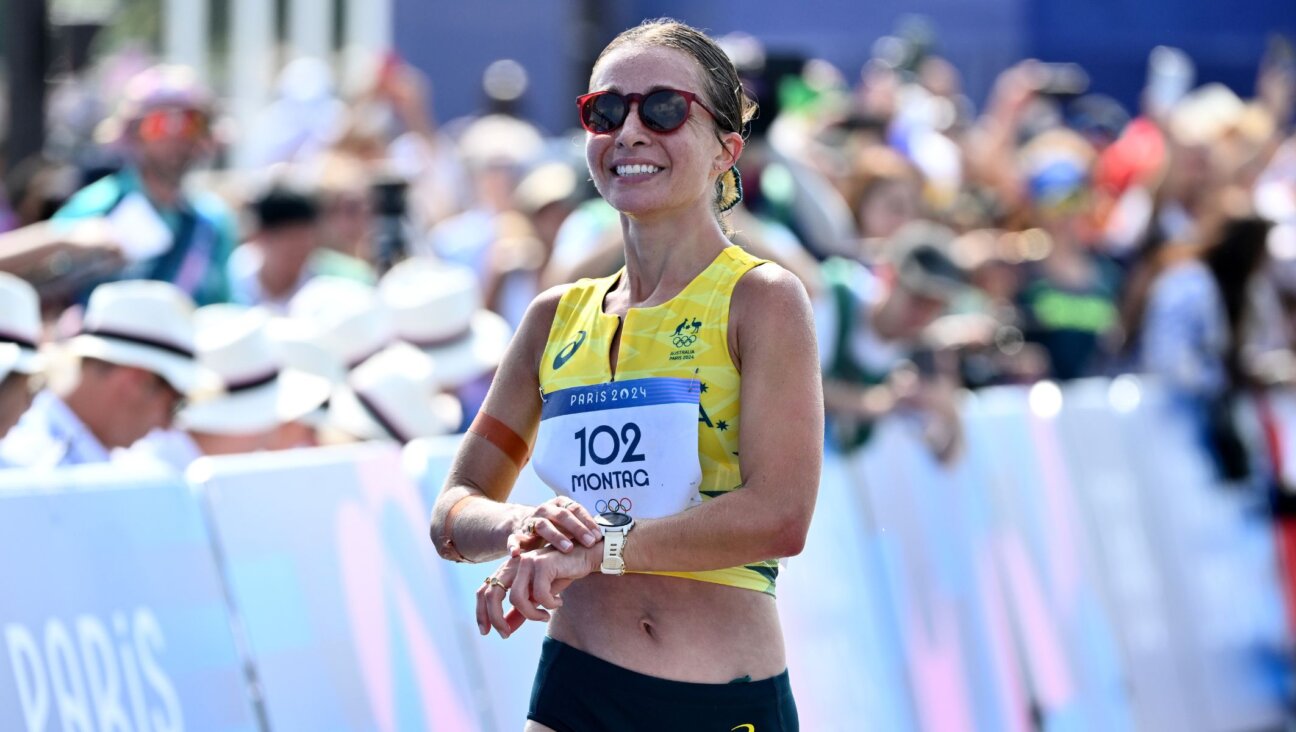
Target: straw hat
(393,396)
(258,394)
(146,324)
(437,307)
(20,327)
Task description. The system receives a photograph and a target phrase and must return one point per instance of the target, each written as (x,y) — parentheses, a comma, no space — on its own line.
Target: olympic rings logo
(615,505)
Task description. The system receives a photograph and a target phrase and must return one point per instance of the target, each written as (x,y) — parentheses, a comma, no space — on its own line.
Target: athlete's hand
(490,601)
(543,574)
(557,522)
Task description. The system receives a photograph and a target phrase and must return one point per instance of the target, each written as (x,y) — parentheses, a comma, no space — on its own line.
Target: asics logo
(568,351)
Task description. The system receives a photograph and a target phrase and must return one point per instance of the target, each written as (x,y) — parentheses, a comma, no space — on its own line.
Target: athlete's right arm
(483,474)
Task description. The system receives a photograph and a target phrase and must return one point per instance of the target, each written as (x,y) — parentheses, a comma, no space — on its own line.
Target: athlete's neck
(663,254)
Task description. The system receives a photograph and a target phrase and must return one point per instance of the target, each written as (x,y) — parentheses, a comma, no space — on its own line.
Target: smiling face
(644,173)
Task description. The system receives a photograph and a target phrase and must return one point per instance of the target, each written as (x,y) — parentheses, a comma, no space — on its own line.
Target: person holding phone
(872,324)
(675,407)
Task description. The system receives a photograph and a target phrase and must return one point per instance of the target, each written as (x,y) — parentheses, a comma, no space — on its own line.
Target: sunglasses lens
(169,123)
(664,111)
(604,112)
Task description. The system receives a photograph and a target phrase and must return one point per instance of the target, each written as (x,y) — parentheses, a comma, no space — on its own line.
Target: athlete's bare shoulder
(767,298)
(533,332)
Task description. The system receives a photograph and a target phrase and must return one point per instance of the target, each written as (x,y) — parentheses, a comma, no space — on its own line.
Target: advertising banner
(1066,639)
(936,537)
(331,572)
(112,614)
(511,662)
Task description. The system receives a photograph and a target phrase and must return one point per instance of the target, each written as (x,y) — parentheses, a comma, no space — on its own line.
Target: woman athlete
(674,407)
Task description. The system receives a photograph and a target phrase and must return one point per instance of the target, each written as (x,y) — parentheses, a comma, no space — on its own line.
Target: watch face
(613,520)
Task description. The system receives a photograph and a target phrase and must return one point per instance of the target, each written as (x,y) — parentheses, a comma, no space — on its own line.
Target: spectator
(1194,327)
(21,368)
(136,369)
(1069,298)
(346,206)
(285,252)
(1196,314)
(166,233)
(870,325)
(259,398)
(886,193)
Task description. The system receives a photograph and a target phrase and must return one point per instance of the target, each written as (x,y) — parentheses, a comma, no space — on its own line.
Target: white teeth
(636,169)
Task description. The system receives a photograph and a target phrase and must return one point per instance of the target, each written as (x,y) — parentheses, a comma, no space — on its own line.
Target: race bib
(624,446)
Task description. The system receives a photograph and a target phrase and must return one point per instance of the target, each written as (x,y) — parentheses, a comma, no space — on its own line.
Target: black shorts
(577,692)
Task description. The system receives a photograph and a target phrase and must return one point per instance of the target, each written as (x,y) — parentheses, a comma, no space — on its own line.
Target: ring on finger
(529,526)
(493,581)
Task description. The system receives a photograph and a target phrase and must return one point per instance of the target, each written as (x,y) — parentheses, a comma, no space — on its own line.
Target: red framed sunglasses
(161,124)
(662,110)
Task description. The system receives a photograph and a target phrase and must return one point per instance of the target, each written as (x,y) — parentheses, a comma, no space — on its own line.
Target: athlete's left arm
(780,451)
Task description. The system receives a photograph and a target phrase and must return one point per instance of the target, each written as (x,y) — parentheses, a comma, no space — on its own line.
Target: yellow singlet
(686,336)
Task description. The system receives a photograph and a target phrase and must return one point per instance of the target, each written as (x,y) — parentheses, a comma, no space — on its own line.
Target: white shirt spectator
(171,449)
(50,435)
(1186,331)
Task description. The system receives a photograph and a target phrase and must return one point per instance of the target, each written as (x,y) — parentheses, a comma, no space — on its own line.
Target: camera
(391,240)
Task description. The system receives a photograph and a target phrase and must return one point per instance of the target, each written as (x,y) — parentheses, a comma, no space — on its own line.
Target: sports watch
(615,527)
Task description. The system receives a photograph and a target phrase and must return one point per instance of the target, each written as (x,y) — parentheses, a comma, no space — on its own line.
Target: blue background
(454,42)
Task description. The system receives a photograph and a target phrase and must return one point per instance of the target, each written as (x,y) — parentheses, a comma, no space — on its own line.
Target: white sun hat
(437,307)
(146,324)
(258,393)
(20,326)
(333,319)
(394,396)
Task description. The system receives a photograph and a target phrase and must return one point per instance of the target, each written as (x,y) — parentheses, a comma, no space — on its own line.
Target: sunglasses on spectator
(164,124)
(663,110)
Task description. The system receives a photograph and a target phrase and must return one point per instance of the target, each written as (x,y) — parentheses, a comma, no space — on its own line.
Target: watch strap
(614,542)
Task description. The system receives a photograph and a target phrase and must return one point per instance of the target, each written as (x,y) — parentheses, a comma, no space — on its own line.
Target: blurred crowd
(358,278)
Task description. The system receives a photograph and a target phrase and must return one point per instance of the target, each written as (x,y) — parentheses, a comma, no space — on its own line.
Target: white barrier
(1079,569)
(111,613)
(330,571)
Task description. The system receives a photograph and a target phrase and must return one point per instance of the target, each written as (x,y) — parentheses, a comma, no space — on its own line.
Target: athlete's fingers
(583,514)
(546,530)
(520,594)
(542,584)
(580,527)
(514,620)
(494,601)
(521,542)
(572,518)
(483,620)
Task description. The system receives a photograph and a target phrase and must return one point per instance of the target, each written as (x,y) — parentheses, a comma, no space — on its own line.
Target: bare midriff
(673,628)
